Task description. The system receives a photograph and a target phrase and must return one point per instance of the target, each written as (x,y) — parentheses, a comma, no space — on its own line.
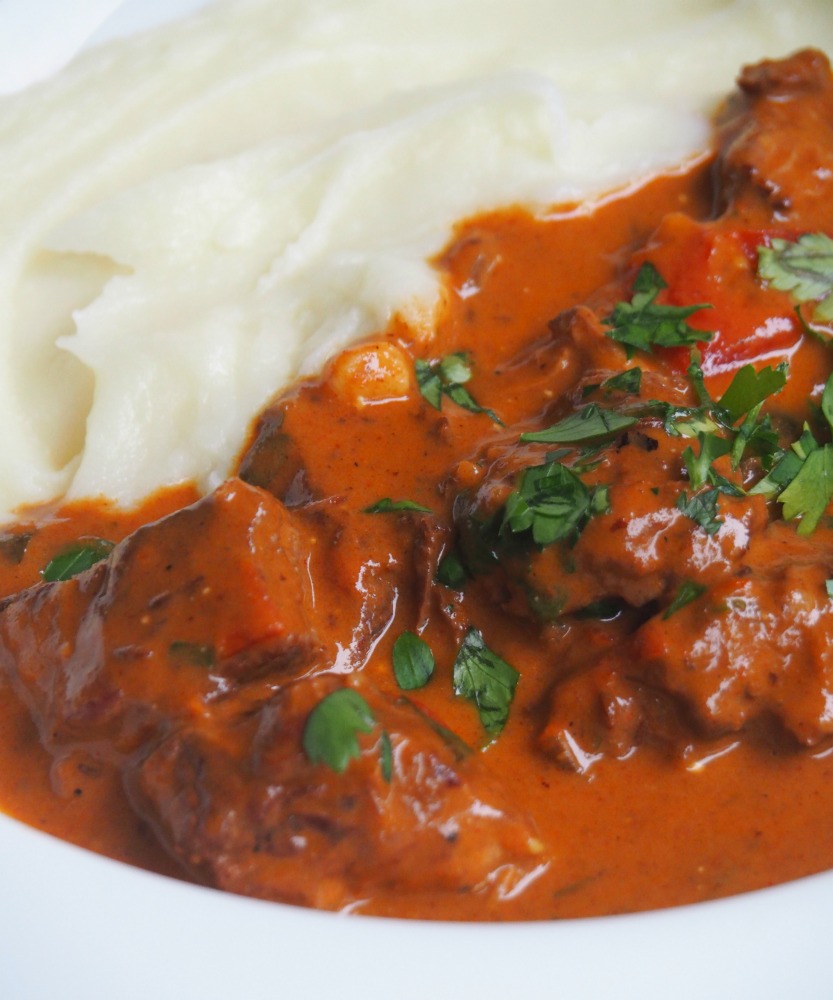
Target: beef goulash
(537,625)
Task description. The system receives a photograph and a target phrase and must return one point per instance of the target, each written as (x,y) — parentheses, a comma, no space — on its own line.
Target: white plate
(76,926)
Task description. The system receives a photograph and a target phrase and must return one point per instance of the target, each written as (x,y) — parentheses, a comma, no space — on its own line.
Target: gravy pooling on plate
(534,625)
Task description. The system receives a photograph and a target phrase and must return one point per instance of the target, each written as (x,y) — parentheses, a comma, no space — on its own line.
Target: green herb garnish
(451,573)
(330,731)
(699,466)
(643,324)
(388,506)
(194,653)
(809,493)
(448,377)
(590,423)
(76,558)
(702,509)
(551,503)
(687,592)
(629,381)
(413,662)
(749,388)
(803,267)
(484,678)
(386,756)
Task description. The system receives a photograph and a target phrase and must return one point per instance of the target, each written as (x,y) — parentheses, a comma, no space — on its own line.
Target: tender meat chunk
(249,813)
(639,549)
(180,659)
(755,646)
(607,709)
(777,143)
(181,614)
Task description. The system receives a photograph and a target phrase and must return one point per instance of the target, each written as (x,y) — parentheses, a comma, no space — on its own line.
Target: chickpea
(372,373)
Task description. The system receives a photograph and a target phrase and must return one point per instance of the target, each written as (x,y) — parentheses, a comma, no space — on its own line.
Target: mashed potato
(194,216)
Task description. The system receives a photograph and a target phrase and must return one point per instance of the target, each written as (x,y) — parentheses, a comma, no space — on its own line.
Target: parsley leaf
(76,558)
(700,466)
(803,267)
(448,377)
(749,388)
(551,503)
(330,731)
(413,662)
(628,381)
(756,436)
(484,678)
(687,592)
(386,756)
(195,653)
(702,509)
(388,506)
(809,493)
(429,383)
(643,324)
(590,423)
(802,476)
(451,573)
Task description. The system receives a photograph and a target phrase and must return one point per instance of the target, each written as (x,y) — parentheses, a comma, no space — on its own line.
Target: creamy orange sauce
(652,830)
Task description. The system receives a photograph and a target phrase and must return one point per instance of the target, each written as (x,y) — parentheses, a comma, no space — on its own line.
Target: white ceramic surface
(76,926)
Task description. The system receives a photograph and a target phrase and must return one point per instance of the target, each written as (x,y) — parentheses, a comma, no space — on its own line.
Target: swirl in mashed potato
(194,216)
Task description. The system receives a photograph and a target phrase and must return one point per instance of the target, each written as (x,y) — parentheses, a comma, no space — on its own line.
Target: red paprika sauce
(615,783)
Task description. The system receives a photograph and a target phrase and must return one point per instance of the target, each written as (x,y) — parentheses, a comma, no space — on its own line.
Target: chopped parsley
(76,558)
(628,381)
(699,466)
(801,477)
(451,572)
(590,423)
(702,509)
(803,267)
(448,377)
(749,388)
(551,503)
(195,653)
(688,591)
(481,676)
(388,506)
(808,494)
(330,733)
(386,756)
(413,662)
(643,324)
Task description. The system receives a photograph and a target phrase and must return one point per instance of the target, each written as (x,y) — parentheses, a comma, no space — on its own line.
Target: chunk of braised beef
(248,812)
(754,651)
(607,710)
(776,141)
(272,462)
(182,613)
(754,646)
(641,546)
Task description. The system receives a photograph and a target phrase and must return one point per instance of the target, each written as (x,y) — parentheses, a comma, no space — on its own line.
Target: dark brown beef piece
(180,658)
(756,647)
(776,144)
(644,547)
(182,614)
(246,811)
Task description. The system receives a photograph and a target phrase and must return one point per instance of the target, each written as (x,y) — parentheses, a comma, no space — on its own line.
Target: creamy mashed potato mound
(193,216)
